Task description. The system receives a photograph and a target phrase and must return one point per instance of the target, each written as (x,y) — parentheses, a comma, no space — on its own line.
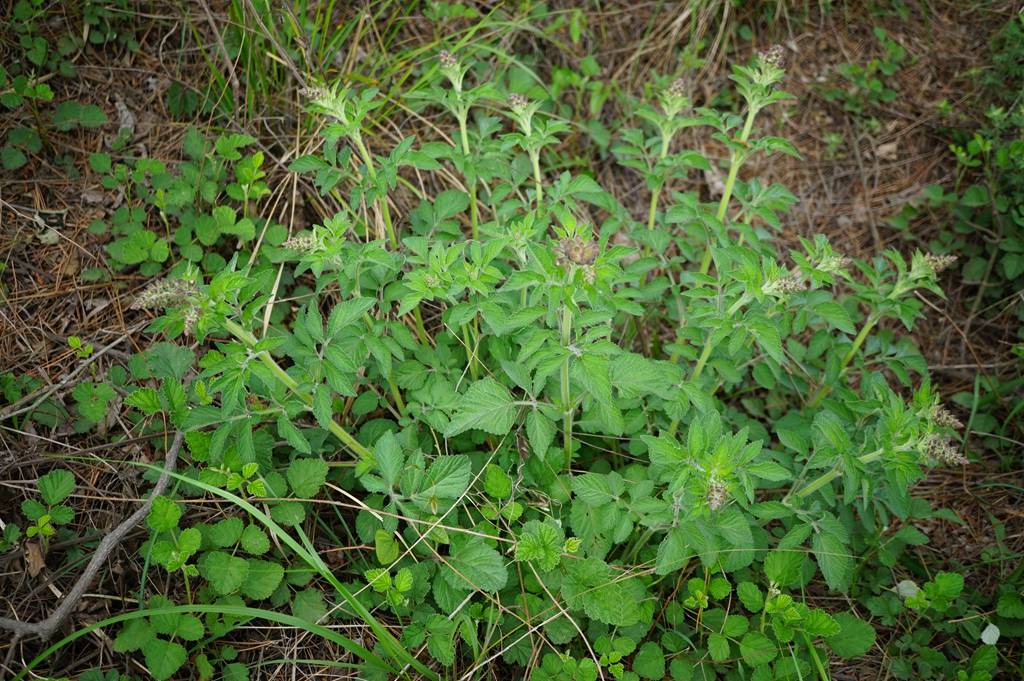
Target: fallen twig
(46,628)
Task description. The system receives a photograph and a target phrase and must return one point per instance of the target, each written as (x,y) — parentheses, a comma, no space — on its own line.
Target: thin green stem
(703,359)
(826,388)
(698,369)
(653,209)
(566,395)
(833,473)
(535,160)
(249,339)
(666,140)
(474,217)
(421,330)
(395,394)
(470,351)
(822,674)
(735,161)
(382,202)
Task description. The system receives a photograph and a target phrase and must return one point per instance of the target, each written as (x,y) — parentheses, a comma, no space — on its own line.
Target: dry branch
(46,628)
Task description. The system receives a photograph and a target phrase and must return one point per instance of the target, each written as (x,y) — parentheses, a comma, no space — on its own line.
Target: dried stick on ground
(45,628)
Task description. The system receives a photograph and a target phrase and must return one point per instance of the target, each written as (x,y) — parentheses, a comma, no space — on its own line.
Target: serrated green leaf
(593,489)
(540,431)
(590,585)
(718,647)
(1011,605)
(855,636)
(768,470)
(261,579)
(497,483)
(55,486)
(767,336)
(389,457)
(757,649)
(164,515)
(293,435)
(836,315)
(288,513)
(540,543)
(133,635)
(145,400)
(306,476)
(163,658)
(309,605)
(474,565)
(486,406)
(441,639)
(386,547)
(649,661)
(783,566)
(225,533)
(346,313)
(323,408)
(835,561)
(189,627)
(224,572)
(819,623)
(446,478)
(750,595)
(254,540)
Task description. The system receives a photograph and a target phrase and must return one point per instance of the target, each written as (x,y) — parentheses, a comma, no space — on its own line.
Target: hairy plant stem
(666,139)
(382,202)
(858,341)
(395,394)
(474,211)
(698,369)
(535,160)
(566,396)
(249,339)
(421,330)
(470,351)
(735,161)
(822,674)
(833,473)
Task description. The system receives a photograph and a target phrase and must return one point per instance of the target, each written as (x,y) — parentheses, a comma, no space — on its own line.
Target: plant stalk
(249,339)
(698,369)
(535,159)
(421,330)
(735,162)
(474,217)
(382,202)
(566,396)
(470,351)
(656,192)
(833,473)
(858,341)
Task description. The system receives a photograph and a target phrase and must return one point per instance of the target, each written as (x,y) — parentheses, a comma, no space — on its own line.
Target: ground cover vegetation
(512,340)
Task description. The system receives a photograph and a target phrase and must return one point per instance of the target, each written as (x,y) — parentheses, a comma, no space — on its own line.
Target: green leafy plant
(541,427)
(868,86)
(49,513)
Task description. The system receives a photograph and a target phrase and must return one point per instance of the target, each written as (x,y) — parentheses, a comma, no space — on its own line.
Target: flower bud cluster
(717,494)
(302,243)
(165,293)
(940,448)
(938,263)
(791,283)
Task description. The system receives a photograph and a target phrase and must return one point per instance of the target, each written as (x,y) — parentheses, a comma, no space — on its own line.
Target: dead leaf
(34,561)
(887,151)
